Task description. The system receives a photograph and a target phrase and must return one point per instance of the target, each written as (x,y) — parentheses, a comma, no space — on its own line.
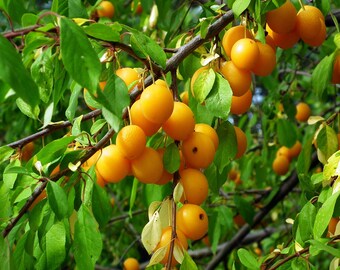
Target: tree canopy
(169,134)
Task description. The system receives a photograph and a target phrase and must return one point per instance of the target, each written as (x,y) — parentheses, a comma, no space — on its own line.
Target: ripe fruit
(319,38)
(266,60)
(131,264)
(332,226)
(240,105)
(338,135)
(195,186)
(284,41)
(92,160)
(239,79)
(181,123)
(209,131)
(129,76)
(180,241)
(198,150)
(282,20)
(112,165)
(232,35)
(270,42)
(157,103)
(244,53)
(137,118)
(302,112)
(185,97)
(131,141)
(100,180)
(308,22)
(148,167)
(283,151)
(192,220)
(281,165)
(336,70)
(27,151)
(232,175)
(105,9)
(295,150)
(241,142)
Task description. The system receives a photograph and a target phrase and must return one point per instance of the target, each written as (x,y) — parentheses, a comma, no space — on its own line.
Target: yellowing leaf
(151,233)
(153,207)
(334,264)
(298,247)
(165,213)
(178,192)
(178,253)
(74,167)
(80,21)
(157,256)
(331,170)
(314,119)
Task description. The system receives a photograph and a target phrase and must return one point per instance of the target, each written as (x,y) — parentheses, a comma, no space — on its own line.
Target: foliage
(56,211)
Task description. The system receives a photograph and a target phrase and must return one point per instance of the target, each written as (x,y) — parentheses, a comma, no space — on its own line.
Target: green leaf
(97,126)
(42,73)
(27,109)
(57,199)
(286,132)
(227,148)
(321,75)
(306,220)
(79,58)
(204,84)
(148,47)
(5,153)
(54,149)
(188,263)
(73,102)
(171,158)
(5,254)
(55,245)
(87,244)
(115,96)
(60,7)
(113,120)
(324,215)
(102,31)
(322,246)
(19,254)
(133,195)
(215,178)
(247,259)
(219,99)
(101,205)
(245,208)
(327,141)
(304,159)
(239,6)
(5,202)
(13,72)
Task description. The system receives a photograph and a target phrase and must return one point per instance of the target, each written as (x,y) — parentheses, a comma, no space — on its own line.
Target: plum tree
(162,107)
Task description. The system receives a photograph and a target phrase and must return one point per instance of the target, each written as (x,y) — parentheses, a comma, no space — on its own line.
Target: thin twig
(54,178)
(51,128)
(286,187)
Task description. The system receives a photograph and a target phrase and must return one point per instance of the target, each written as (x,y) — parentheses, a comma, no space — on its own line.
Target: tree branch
(54,178)
(286,187)
(51,128)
